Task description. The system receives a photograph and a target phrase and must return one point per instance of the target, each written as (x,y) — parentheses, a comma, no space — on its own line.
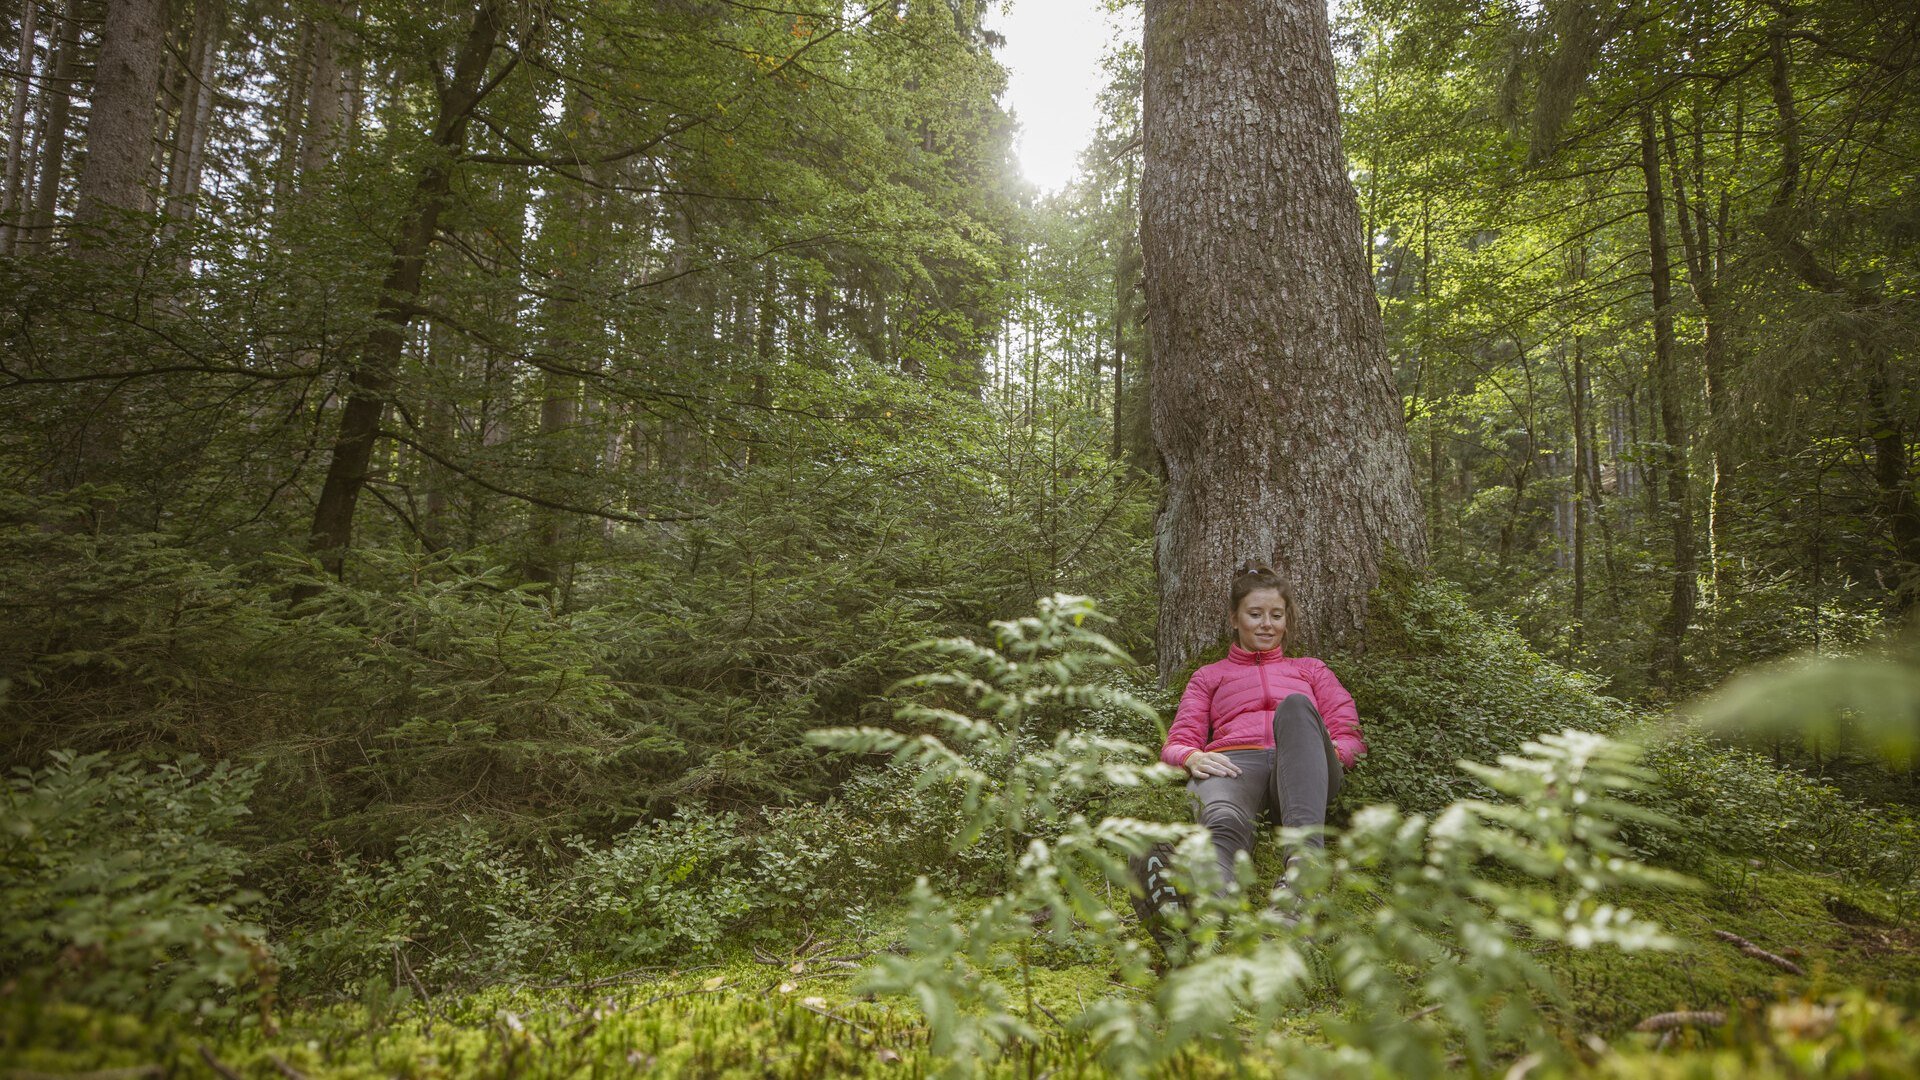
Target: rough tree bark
(1703,242)
(379,358)
(1274,408)
(120,144)
(196,112)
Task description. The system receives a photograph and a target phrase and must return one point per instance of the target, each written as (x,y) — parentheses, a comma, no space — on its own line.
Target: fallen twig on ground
(426,1002)
(1667,1021)
(821,1010)
(630,975)
(1759,953)
(680,993)
(225,1070)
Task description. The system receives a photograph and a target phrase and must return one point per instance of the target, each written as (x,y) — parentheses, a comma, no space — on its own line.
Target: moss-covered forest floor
(797,1010)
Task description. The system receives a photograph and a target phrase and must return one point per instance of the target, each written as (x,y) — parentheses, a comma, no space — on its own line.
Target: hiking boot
(1157,898)
(1286,900)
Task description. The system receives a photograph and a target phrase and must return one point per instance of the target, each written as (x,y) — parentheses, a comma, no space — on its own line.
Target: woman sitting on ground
(1262,735)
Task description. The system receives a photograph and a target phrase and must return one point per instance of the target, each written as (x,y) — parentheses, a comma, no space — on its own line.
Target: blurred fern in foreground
(1873,695)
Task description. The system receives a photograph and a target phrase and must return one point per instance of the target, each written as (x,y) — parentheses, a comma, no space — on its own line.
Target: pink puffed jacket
(1229,705)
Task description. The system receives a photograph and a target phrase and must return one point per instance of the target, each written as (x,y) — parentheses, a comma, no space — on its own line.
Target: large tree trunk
(1273,405)
(380,357)
(116,180)
(1668,657)
(120,141)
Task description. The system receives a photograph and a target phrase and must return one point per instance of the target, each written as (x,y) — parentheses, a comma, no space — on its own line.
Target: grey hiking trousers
(1288,785)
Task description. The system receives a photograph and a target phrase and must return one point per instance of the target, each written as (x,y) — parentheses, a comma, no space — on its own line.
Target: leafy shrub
(435,690)
(118,886)
(1868,697)
(428,689)
(460,907)
(1423,926)
(677,665)
(660,888)
(452,904)
(1018,790)
(1731,799)
(794,604)
(1441,683)
(884,827)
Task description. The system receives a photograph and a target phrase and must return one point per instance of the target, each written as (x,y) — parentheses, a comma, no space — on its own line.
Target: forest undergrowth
(1531,916)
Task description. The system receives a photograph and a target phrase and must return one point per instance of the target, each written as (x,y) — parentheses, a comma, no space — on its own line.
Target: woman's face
(1260,622)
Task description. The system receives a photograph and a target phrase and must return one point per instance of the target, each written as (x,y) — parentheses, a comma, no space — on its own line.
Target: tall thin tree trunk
(115,180)
(1273,403)
(1703,277)
(1581,449)
(17,155)
(438,432)
(126,86)
(766,327)
(1668,663)
(1892,475)
(1128,442)
(53,137)
(373,374)
(169,113)
(321,131)
(196,113)
(293,116)
(558,415)
(1598,496)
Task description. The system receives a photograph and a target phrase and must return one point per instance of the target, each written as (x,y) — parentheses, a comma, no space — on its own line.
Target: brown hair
(1252,576)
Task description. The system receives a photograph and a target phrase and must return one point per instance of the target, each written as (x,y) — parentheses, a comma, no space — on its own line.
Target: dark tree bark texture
(373,374)
(1274,407)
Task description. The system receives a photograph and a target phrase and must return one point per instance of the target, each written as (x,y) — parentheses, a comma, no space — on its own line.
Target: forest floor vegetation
(796,1011)
(1531,915)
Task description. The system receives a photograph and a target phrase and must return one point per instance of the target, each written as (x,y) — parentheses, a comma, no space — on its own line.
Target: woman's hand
(1203,765)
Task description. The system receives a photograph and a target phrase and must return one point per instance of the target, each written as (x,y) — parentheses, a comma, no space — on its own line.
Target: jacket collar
(1244,656)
